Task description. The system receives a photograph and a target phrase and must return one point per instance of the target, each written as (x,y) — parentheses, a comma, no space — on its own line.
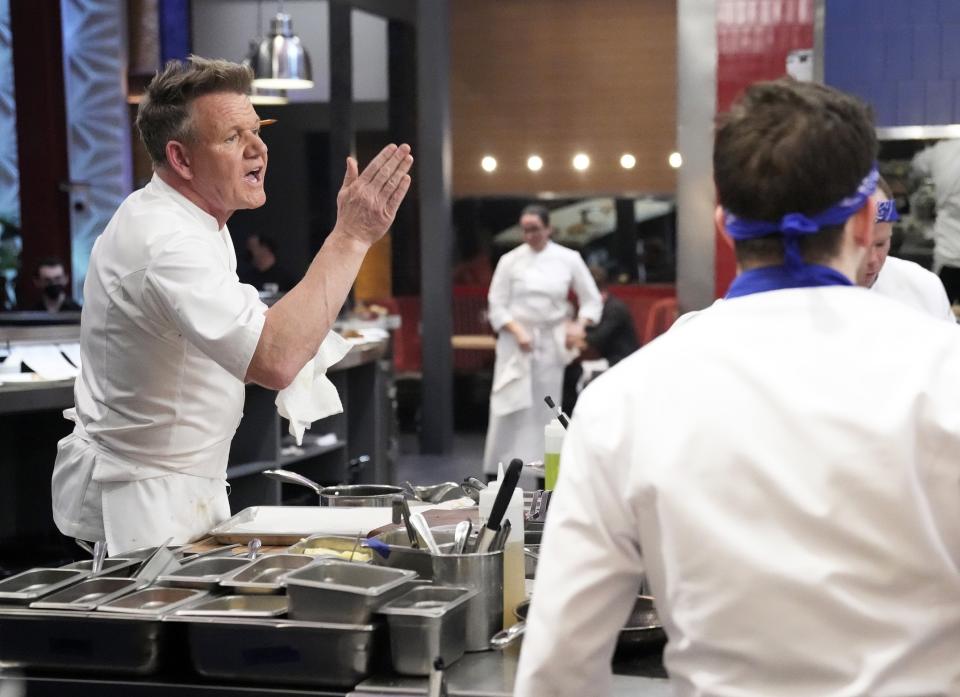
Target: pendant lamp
(280,61)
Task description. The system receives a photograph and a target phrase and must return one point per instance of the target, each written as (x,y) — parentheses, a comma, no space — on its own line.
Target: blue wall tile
(938,106)
(911,96)
(926,52)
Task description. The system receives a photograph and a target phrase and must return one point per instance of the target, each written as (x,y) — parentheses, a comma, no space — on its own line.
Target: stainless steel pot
(375,495)
(370,495)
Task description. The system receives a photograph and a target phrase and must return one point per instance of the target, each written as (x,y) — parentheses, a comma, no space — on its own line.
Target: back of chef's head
(789,147)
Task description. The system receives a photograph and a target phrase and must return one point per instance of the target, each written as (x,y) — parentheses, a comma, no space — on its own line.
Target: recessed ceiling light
(628,161)
(581,161)
(488,163)
(534,163)
(675,160)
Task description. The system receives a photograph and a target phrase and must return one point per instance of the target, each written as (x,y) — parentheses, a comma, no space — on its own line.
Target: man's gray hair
(164,113)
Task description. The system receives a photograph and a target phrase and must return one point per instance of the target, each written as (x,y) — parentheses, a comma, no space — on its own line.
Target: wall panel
(555,78)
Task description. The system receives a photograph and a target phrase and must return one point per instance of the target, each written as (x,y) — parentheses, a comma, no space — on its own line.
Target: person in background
(53,282)
(536,339)
(784,478)
(263,272)
(941,162)
(613,338)
(898,278)
(169,336)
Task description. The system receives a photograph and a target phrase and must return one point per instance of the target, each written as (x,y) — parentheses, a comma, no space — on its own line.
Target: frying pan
(642,631)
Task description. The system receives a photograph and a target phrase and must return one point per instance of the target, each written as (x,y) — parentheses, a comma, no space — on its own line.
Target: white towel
(311,396)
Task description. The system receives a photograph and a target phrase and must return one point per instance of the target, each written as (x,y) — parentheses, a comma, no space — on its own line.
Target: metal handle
(293,478)
(419,524)
(253,547)
(460,536)
(504,638)
(99,554)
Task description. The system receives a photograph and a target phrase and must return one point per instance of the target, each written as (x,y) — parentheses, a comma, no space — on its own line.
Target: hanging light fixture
(280,61)
(260,95)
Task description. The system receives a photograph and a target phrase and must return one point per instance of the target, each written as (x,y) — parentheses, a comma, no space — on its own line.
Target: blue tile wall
(901,56)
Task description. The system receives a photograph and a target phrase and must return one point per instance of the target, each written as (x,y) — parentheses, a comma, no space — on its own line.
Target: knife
(500,504)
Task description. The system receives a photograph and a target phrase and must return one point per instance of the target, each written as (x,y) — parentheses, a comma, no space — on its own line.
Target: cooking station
(361,613)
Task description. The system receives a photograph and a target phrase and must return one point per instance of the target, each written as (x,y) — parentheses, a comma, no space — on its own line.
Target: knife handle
(485,539)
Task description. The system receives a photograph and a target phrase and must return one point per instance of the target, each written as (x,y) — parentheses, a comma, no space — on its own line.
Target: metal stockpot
(370,495)
(375,495)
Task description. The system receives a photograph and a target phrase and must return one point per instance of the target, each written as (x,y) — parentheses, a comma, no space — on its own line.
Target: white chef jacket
(166,336)
(912,284)
(789,485)
(941,162)
(531,288)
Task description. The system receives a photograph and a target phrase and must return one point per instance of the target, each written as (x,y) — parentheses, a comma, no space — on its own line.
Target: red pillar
(41,138)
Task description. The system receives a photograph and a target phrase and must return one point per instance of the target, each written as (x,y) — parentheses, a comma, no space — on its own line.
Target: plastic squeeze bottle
(553,434)
(514,586)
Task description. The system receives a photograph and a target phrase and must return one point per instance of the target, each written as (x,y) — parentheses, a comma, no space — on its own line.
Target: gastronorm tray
(115,566)
(283,651)
(79,641)
(237,606)
(153,602)
(33,584)
(342,592)
(205,573)
(87,595)
(265,575)
(287,525)
(333,546)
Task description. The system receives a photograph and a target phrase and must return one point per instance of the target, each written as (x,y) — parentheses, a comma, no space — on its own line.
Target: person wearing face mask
(53,281)
(536,339)
(896,278)
(169,336)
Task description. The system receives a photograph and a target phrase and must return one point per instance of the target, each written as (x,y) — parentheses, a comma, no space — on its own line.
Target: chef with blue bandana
(794,508)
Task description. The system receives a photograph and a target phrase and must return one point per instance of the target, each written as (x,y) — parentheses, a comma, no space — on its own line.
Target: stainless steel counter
(492,674)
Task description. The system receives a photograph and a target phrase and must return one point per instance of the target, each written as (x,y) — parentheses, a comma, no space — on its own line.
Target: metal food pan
(426,623)
(265,575)
(79,642)
(205,573)
(32,585)
(154,601)
(403,556)
(333,546)
(87,594)
(237,606)
(114,567)
(282,651)
(342,592)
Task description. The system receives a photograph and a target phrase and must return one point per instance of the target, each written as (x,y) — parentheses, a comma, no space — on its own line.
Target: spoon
(460,536)
(253,547)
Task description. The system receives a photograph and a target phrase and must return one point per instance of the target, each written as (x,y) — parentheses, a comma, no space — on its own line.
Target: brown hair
(164,113)
(539,211)
(791,147)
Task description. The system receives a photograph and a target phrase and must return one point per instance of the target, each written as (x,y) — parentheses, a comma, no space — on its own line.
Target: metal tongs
(401,513)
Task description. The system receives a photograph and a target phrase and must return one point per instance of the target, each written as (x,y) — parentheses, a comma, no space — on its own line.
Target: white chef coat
(789,485)
(912,284)
(531,288)
(941,162)
(166,336)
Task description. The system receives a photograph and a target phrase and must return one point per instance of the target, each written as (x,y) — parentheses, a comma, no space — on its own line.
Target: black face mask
(54,290)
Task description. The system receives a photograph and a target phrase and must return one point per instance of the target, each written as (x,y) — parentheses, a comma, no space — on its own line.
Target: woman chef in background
(528,309)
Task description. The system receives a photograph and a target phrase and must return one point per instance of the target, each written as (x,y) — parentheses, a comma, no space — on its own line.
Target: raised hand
(368,201)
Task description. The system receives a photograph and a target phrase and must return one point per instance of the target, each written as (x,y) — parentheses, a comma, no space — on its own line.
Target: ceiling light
(534,163)
(280,61)
(581,161)
(488,163)
(628,161)
(259,96)
(675,160)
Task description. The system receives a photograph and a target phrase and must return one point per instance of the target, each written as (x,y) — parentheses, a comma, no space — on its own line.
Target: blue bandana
(886,212)
(777,277)
(794,225)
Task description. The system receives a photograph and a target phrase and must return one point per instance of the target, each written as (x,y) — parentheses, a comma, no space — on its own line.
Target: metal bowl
(371,495)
